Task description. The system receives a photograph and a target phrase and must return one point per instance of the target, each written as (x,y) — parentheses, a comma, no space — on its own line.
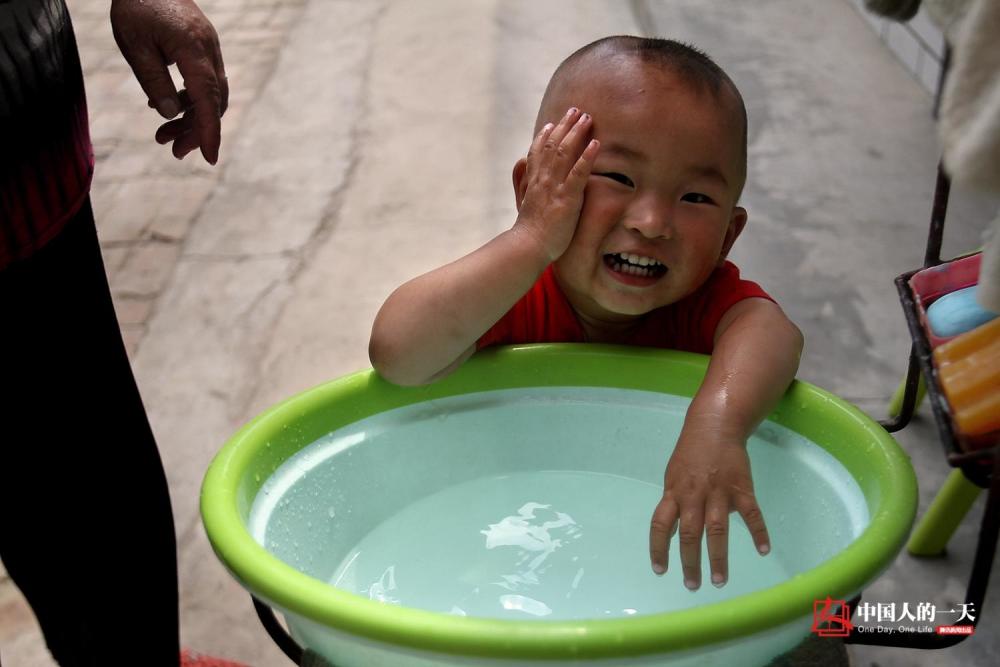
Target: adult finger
(754,520)
(689,540)
(178,126)
(185,143)
(661,528)
(183,97)
(717,537)
(173,129)
(220,74)
(203,86)
(224,91)
(150,70)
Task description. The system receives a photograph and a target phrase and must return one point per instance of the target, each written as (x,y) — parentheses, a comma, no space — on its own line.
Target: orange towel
(969,371)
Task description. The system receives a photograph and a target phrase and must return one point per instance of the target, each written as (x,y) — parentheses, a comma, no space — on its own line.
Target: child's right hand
(558,166)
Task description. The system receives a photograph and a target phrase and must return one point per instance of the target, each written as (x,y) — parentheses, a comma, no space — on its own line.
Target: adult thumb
(150,69)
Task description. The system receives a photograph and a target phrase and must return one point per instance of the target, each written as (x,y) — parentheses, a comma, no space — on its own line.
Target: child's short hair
(683,60)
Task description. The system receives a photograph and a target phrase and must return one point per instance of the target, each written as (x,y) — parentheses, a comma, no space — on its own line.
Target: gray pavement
(367,142)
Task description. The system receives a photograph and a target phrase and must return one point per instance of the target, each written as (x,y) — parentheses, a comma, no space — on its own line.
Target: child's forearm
(433,322)
(755,359)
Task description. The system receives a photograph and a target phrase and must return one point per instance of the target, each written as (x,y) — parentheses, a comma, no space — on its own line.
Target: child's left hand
(708,477)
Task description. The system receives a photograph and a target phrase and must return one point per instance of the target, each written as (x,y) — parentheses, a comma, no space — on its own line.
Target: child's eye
(620,178)
(697,198)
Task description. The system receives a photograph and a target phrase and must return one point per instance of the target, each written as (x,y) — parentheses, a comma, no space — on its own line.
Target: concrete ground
(367,142)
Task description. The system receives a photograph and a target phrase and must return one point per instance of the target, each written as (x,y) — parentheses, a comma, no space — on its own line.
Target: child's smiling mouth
(634,269)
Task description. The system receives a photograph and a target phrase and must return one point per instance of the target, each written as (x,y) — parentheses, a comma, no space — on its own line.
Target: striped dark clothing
(59,338)
(46,160)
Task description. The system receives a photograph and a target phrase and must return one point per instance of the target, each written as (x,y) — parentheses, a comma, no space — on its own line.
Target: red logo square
(831,618)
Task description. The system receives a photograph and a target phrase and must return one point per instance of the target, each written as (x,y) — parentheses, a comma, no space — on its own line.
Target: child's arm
(755,358)
(430,325)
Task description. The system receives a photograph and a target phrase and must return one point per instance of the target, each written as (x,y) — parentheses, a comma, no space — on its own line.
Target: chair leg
(896,402)
(949,507)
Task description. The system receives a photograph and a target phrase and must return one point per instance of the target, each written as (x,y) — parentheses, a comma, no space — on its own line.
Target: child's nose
(651,217)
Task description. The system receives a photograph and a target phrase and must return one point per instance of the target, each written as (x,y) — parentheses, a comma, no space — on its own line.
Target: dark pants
(86,530)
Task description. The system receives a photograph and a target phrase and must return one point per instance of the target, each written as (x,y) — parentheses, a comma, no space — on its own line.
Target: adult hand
(708,477)
(154,34)
(557,168)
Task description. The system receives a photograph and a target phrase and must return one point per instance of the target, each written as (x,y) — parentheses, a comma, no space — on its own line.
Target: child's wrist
(531,245)
(716,422)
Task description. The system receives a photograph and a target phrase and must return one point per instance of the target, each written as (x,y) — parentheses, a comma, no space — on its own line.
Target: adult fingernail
(691,584)
(764,549)
(718,580)
(168,107)
(658,569)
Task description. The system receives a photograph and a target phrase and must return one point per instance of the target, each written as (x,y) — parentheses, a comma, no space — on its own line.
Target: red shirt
(543,315)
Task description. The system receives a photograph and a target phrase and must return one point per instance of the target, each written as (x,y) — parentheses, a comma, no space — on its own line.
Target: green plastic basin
(837,492)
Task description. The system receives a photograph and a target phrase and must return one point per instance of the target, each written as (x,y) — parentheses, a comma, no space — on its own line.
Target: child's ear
(520,182)
(737,222)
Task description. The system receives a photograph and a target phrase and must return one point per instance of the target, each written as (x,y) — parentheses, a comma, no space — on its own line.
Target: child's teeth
(635,265)
(636,260)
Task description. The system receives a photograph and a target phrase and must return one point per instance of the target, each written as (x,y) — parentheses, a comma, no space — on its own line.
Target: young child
(627,207)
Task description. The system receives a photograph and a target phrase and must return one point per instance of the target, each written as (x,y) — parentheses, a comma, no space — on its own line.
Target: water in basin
(550,544)
(533,504)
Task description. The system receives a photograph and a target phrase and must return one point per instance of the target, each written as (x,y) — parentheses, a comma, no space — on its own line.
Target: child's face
(663,189)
